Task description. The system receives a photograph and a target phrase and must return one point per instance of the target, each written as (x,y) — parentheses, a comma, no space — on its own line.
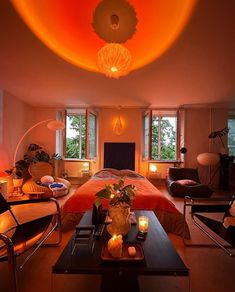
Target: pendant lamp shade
(114,60)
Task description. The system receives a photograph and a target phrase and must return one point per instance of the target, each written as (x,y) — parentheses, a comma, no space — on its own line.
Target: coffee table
(160,257)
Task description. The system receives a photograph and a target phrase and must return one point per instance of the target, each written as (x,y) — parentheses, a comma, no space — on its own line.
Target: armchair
(37,171)
(200,208)
(17,238)
(183,182)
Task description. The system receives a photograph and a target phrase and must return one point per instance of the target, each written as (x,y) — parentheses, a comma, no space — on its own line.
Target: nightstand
(156,179)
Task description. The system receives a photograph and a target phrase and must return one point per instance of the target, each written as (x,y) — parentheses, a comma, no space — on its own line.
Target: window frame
(231,116)
(163,113)
(87,112)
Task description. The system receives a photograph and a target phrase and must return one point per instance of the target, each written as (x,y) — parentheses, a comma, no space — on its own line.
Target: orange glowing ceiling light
(65,26)
(115,22)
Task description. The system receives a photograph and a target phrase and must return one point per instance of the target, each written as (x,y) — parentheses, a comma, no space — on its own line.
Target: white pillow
(47,179)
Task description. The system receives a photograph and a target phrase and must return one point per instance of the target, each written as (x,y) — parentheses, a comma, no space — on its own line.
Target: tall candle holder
(143,223)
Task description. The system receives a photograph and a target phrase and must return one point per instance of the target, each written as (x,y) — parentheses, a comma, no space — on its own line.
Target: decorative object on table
(131,252)
(16,174)
(120,199)
(115,246)
(84,235)
(143,224)
(97,215)
(17,182)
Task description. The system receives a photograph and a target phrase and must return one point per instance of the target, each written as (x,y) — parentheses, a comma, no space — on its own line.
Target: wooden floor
(211,270)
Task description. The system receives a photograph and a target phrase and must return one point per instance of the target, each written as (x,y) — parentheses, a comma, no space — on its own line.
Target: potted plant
(120,199)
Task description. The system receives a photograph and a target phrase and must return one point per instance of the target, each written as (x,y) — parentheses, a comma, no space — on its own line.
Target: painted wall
(199,123)
(16,118)
(131,120)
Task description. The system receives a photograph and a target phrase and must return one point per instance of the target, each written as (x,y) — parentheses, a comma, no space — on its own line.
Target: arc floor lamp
(52,125)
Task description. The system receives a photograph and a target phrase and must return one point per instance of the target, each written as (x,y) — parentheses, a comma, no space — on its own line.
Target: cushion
(47,179)
(58,189)
(187,182)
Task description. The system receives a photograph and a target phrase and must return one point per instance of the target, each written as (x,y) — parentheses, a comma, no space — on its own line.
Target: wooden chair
(17,238)
(199,208)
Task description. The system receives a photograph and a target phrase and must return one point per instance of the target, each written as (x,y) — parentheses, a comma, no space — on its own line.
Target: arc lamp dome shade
(208,159)
(55,125)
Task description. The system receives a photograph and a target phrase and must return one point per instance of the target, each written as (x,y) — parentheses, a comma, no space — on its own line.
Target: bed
(148,197)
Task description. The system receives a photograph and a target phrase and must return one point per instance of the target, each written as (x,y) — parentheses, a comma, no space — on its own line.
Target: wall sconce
(118,127)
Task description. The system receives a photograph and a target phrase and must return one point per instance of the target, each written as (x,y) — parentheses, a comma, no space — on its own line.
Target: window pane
(164,133)
(146,136)
(75,136)
(231,137)
(92,136)
(168,138)
(155,138)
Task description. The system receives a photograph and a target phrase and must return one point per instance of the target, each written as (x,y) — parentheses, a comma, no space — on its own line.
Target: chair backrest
(178,173)
(4,206)
(40,169)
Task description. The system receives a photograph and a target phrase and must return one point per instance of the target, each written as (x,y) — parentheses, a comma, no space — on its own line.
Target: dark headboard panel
(119,155)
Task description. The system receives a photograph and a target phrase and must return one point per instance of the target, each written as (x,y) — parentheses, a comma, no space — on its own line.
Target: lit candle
(143,224)
(115,246)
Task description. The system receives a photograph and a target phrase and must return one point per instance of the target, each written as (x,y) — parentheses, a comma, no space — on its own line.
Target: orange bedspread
(147,196)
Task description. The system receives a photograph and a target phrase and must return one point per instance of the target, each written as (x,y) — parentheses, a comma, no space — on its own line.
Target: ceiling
(197,65)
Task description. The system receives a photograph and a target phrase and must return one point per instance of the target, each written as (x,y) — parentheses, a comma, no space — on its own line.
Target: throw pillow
(187,182)
(47,179)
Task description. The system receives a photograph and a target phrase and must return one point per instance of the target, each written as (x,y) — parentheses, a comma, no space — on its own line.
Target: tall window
(81,132)
(92,130)
(231,134)
(161,135)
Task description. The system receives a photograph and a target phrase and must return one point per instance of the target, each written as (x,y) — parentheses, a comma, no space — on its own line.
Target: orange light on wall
(118,127)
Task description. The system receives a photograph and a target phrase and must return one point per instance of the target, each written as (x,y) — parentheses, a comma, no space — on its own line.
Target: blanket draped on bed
(147,197)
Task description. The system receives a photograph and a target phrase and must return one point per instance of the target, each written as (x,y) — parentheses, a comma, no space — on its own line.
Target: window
(231,134)
(81,132)
(161,135)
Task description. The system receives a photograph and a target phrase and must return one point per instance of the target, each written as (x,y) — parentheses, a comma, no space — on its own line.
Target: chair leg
(57,226)
(11,262)
(218,244)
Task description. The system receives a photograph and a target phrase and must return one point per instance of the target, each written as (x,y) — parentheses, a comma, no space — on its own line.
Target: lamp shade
(114,60)
(55,125)
(208,158)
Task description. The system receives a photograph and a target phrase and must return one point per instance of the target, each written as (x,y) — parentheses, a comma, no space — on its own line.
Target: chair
(212,228)
(37,171)
(183,182)
(17,238)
